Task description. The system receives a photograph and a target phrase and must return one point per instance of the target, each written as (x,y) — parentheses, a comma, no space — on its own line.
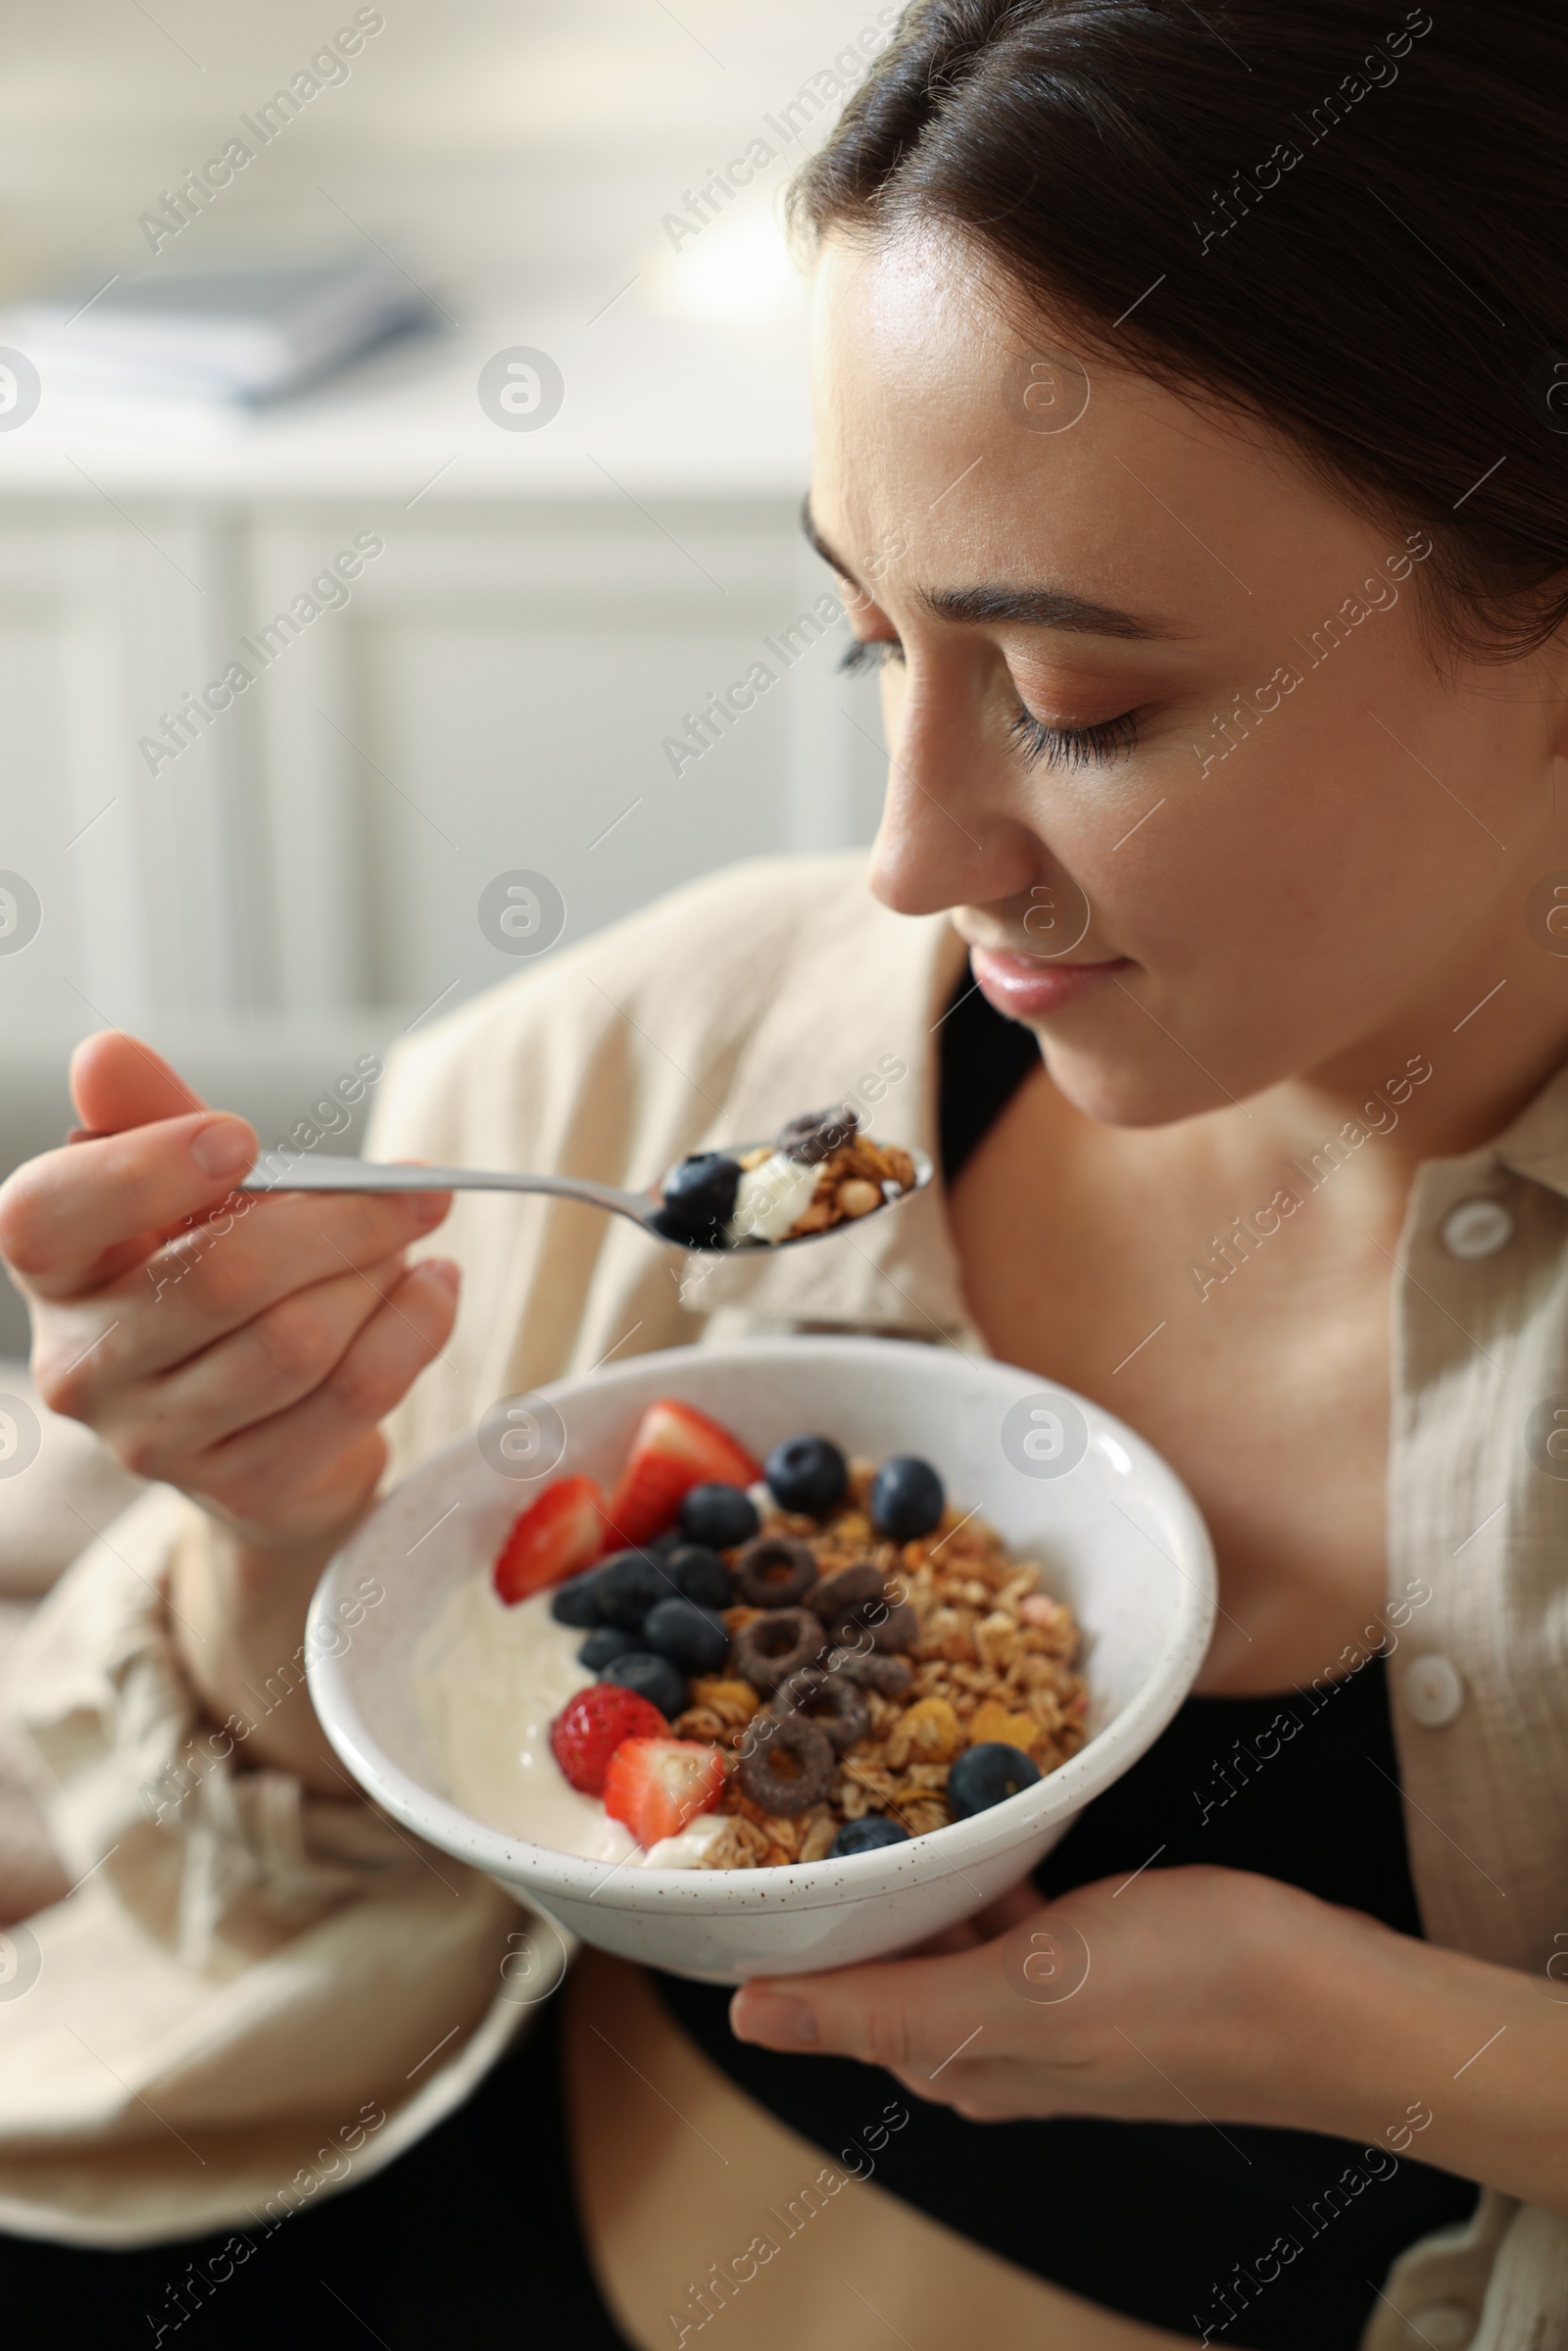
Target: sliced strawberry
(655,1785)
(675,1448)
(591,1726)
(556,1535)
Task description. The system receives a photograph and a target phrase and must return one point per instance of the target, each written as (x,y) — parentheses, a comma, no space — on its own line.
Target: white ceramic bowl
(1116,1534)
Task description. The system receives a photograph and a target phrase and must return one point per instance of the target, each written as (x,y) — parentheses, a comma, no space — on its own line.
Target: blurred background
(466,416)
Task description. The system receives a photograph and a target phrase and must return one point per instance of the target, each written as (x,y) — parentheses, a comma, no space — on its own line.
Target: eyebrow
(1037,607)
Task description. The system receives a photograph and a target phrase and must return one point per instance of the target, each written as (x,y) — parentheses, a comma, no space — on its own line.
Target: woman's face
(1164,734)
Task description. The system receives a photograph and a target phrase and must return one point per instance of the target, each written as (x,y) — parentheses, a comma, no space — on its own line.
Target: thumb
(118,1082)
(909,2014)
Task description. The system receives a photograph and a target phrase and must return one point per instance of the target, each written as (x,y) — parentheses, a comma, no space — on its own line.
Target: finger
(315,1451)
(913,2016)
(257,1253)
(1020,1901)
(156,1425)
(68,1218)
(963,1937)
(1004,2089)
(117,1081)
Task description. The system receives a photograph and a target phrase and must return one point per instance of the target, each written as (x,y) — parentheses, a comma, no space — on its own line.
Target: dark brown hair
(1346,220)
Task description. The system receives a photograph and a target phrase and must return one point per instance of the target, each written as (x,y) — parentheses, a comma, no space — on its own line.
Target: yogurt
(488,1681)
(770,1198)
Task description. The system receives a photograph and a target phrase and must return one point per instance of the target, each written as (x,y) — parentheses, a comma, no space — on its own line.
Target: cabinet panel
(500,688)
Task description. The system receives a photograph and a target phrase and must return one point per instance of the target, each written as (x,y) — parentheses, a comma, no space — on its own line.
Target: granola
(993,1660)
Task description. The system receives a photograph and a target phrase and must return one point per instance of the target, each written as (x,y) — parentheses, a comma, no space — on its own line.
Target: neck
(1446,1072)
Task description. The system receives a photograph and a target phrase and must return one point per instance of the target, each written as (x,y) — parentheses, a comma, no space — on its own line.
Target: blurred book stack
(214,342)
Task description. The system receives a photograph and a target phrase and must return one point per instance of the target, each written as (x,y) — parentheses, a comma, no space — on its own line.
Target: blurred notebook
(233,336)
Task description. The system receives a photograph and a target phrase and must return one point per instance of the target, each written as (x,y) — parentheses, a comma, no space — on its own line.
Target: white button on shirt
(1477,1228)
(1433,1692)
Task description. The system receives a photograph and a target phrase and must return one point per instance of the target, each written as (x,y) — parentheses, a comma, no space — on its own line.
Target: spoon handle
(343,1174)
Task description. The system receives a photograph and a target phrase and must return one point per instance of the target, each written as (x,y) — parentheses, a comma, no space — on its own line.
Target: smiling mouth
(1029,986)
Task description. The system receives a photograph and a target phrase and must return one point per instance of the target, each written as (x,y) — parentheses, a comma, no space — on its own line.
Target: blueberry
(660,1547)
(699,1573)
(700,1196)
(866,1836)
(907,1498)
(604,1646)
(807,1473)
(652,1678)
(721,1516)
(692,1638)
(629,1586)
(576,1601)
(987,1775)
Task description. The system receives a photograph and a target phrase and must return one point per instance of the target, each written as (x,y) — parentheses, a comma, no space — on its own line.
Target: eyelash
(1058,746)
(1076,746)
(869,653)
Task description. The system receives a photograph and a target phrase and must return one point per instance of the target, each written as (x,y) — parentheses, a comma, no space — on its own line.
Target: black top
(1172,2223)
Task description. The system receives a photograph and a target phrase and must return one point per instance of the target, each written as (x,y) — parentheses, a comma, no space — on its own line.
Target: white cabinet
(493,690)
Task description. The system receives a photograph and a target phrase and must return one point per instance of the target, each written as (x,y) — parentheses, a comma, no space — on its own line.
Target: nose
(946,837)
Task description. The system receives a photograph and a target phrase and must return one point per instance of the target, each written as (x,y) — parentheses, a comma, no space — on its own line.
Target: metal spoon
(342,1174)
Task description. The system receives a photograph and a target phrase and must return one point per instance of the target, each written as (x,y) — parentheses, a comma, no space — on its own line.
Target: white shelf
(655,408)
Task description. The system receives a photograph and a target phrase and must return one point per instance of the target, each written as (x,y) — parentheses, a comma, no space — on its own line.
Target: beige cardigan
(191,2038)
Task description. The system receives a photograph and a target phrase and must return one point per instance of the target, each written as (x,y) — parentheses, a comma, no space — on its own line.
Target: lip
(1029,988)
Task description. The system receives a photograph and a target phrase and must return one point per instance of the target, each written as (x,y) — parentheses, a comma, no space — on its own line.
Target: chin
(1124,1093)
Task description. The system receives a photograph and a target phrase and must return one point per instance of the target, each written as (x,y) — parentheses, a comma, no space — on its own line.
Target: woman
(1189,443)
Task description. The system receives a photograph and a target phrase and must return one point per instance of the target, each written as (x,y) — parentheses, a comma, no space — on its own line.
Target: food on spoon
(817,1135)
(820,1171)
(698,1198)
(675,1448)
(561,1533)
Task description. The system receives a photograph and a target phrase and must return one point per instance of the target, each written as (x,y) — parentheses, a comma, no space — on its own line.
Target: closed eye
(869,653)
(1076,746)
(1056,745)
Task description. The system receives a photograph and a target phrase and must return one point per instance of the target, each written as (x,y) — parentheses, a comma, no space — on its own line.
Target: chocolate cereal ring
(775,1571)
(890,1675)
(823,1698)
(775,1646)
(791,1770)
(817,1134)
(898,1629)
(834,1598)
